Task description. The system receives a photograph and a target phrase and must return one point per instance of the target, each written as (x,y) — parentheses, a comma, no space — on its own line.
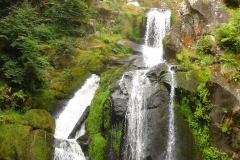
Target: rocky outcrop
(225,115)
(28,136)
(157,99)
(196,18)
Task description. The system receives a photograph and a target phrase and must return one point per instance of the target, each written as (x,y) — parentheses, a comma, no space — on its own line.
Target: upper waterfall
(158,24)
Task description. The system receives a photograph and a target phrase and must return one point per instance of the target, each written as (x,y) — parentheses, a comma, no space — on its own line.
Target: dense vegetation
(47,50)
(41,49)
(200,60)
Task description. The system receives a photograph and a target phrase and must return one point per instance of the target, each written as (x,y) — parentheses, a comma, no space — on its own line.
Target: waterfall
(136,116)
(68,149)
(158,24)
(171,128)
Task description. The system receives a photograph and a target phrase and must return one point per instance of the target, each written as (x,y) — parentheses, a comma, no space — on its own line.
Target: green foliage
(228,34)
(67,16)
(195,108)
(120,50)
(204,45)
(230,66)
(21,54)
(17,100)
(127,23)
(205,60)
(186,57)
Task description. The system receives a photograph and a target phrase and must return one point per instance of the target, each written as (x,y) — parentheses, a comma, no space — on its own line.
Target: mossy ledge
(19,133)
(98,121)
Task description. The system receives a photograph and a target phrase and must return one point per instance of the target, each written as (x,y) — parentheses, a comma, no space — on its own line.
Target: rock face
(157,97)
(28,136)
(196,18)
(226,99)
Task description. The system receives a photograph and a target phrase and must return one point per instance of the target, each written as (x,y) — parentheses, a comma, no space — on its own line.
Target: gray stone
(196,17)
(119,103)
(156,72)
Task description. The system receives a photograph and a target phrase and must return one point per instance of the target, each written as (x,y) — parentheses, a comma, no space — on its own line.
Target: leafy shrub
(21,56)
(204,45)
(230,67)
(228,34)
(120,50)
(13,100)
(67,16)
(195,108)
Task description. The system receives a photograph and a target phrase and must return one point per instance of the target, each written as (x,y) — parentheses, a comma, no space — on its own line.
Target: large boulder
(225,115)
(196,18)
(40,119)
(22,138)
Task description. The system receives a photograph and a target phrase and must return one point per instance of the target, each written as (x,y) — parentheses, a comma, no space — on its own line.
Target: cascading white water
(136,116)
(171,127)
(158,24)
(68,149)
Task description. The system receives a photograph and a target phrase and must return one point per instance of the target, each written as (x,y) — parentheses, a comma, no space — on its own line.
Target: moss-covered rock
(26,137)
(40,119)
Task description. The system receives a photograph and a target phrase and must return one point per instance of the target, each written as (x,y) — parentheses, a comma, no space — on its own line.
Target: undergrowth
(195,108)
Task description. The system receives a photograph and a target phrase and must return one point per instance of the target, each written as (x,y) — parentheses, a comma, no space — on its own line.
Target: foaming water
(68,149)
(158,24)
(171,126)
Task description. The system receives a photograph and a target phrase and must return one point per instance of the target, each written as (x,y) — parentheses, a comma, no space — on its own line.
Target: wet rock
(156,72)
(157,132)
(185,33)
(159,98)
(119,103)
(119,96)
(222,100)
(91,26)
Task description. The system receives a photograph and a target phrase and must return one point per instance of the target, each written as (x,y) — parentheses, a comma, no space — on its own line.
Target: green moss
(18,140)
(98,121)
(13,136)
(97,147)
(41,143)
(116,133)
(40,119)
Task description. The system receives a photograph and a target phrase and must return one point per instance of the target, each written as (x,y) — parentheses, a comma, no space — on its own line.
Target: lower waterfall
(139,88)
(136,116)
(69,149)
